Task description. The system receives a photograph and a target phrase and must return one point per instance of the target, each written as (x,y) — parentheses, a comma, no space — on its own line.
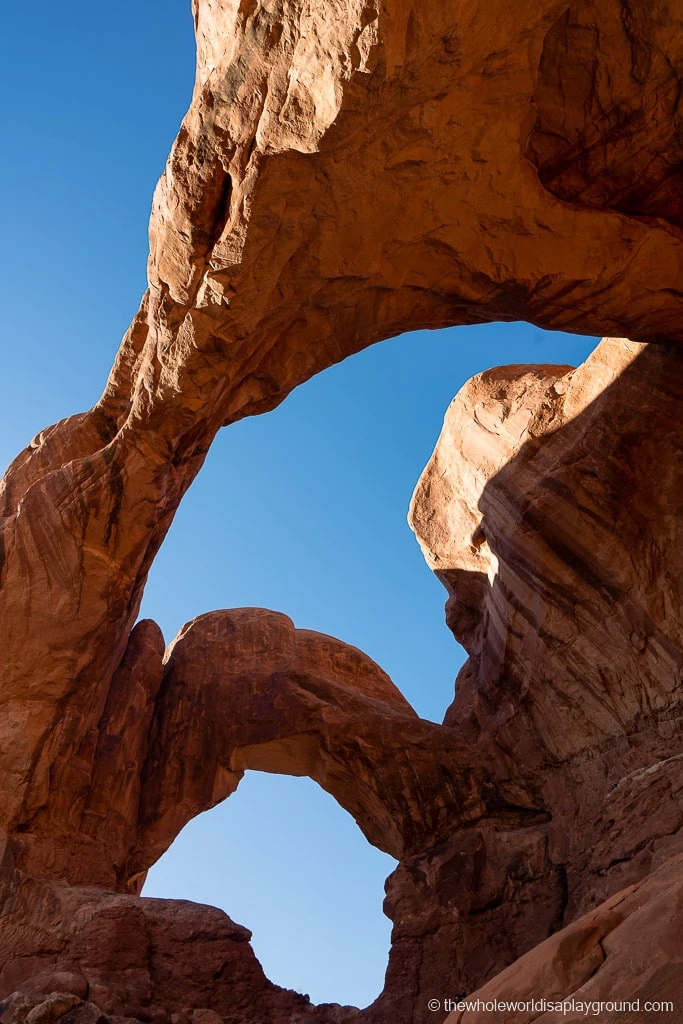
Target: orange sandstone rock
(345,172)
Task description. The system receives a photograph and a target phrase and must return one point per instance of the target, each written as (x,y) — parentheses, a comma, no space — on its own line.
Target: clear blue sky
(303,510)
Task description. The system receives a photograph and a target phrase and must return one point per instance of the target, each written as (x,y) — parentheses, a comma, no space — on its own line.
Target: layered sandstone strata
(523,812)
(345,172)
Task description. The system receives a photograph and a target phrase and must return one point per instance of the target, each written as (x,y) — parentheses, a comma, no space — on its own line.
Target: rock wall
(562,564)
(347,172)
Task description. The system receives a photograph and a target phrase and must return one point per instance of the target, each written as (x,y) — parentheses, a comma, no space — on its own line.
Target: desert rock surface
(346,172)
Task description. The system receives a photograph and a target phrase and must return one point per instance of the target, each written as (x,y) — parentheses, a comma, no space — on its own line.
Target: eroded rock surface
(549,509)
(562,562)
(346,172)
(621,962)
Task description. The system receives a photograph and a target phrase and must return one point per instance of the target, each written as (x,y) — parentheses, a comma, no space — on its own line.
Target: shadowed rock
(347,172)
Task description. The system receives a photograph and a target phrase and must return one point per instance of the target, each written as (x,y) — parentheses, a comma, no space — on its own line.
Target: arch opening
(282,858)
(317,529)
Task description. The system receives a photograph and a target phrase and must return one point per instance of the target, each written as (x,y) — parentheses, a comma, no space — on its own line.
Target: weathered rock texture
(348,171)
(550,510)
(625,954)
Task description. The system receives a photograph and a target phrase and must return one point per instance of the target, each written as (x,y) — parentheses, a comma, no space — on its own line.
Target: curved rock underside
(346,172)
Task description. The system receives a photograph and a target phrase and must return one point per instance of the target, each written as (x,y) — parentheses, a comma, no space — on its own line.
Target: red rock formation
(621,961)
(346,172)
(562,563)
(562,559)
(591,116)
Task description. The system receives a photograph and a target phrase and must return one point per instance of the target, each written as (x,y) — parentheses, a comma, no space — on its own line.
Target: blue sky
(302,510)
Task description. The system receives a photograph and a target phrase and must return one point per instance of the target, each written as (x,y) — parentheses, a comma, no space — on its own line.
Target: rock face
(561,558)
(346,172)
(621,961)
(549,509)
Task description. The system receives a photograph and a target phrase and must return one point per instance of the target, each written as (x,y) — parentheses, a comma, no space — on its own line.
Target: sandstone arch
(271,258)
